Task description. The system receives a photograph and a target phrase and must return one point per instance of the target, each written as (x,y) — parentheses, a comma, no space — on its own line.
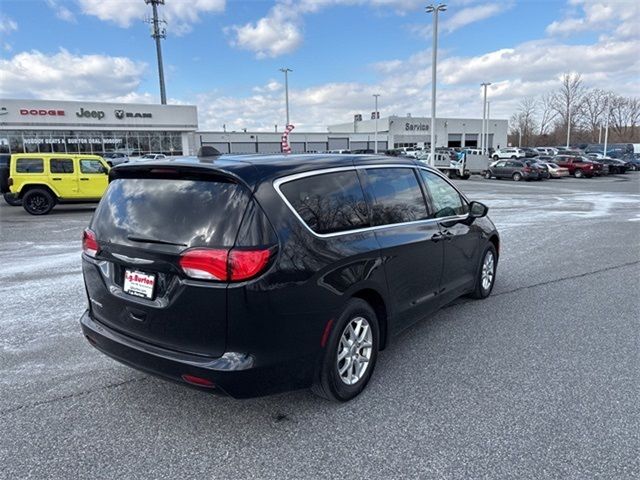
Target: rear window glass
(328,203)
(91,166)
(185,213)
(29,165)
(396,196)
(61,165)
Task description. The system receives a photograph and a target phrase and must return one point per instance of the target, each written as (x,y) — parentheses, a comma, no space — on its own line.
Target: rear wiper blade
(152,240)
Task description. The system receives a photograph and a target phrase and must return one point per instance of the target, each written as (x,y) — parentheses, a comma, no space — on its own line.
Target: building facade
(416,131)
(90,127)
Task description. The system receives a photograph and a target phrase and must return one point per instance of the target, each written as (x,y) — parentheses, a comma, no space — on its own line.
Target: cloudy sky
(224,56)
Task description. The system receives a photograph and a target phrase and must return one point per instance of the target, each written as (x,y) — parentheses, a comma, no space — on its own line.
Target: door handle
(436,237)
(56,178)
(85,179)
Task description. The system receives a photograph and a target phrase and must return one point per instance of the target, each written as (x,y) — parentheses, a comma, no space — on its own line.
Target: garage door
(297,147)
(316,146)
(271,147)
(243,147)
(338,143)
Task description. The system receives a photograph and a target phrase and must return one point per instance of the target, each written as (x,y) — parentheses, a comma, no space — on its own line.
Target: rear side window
(396,196)
(446,200)
(330,202)
(29,165)
(61,165)
(184,213)
(91,166)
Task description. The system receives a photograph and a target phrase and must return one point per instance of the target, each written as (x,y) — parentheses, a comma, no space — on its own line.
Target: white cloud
(280,31)
(620,17)
(61,11)
(7,25)
(271,36)
(180,14)
(470,15)
(67,76)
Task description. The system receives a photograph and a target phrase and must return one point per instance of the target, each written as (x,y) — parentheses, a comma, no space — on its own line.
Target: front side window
(446,200)
(330,202)
(396,196)
(61,165)
(29,165)
(91,166)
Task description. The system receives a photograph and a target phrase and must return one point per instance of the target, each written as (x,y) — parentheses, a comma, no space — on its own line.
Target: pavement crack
(71,395)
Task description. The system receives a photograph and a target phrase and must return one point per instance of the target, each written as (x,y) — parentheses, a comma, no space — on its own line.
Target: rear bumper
(234,374)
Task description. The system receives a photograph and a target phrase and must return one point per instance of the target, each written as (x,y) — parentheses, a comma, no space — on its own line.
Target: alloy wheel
(354,351)
(488,270)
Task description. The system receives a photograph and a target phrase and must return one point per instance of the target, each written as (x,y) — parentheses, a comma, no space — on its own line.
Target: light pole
(158,32)
(286,71)
(606,128)
(486,130)
(484,85)
(375,137)
(434,58)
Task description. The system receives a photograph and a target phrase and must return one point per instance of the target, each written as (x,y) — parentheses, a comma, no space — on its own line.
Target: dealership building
(92,127)
(393,132)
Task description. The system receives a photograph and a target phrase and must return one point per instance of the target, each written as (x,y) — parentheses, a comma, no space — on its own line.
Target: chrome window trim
(277,183)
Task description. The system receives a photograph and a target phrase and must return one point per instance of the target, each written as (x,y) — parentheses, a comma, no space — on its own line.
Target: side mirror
(478,210)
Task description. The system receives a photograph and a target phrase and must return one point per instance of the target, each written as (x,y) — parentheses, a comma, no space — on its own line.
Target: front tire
(38,202)
(487,174)
(578,173)
(350,353)
(486,278)
(517,177)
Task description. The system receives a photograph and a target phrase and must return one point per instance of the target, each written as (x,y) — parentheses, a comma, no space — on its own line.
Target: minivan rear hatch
(141,230)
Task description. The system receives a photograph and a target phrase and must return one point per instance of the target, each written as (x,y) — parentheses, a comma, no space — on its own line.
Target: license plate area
(139,284)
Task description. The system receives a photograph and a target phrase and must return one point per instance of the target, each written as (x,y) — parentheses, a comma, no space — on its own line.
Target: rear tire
(517,177)
(486,277)
(340,380)
(496,158)
(578,173)
(12,200)
(487,174)
(38,201)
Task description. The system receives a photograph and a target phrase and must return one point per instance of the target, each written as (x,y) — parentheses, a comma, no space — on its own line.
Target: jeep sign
(99,114)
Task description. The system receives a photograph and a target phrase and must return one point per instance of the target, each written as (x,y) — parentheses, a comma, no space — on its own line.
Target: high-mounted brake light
(223,265)
(90,244)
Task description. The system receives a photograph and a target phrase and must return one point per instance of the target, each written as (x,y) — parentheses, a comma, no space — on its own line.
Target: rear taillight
(526,169)
(223,265)
(90,244)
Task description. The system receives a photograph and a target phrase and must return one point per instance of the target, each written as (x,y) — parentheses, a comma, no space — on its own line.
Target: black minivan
(250,275)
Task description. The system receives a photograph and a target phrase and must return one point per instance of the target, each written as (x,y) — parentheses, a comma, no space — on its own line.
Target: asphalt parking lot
(541,380)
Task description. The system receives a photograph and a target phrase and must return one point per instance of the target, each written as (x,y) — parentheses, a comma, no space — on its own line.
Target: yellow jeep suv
(41,180)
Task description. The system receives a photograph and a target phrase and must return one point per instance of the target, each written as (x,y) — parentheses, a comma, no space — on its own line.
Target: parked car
(578,166)
(115,158)
(510,152)
(153,156)
(269,273)
(515,169)
(530,152)
(556,171)
(41,180)
(546,151)
(615,165)
(5,170)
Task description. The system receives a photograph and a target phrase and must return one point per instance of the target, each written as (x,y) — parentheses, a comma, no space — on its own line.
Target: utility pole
(568,125)
(484,86)
(375,137)
(486,140)
(158,32)
(286,71)
(434,59)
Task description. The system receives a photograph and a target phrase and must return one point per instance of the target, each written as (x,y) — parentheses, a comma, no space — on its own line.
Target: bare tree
(625,116)
(547,113)
(567,100)
(523,122)
(594,105)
